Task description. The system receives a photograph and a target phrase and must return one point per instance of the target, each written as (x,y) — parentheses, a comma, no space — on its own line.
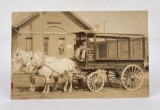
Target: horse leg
(66,84)
(55,84)
(30,80)
(70,81)
(47,85)
(33,83)
(44,90)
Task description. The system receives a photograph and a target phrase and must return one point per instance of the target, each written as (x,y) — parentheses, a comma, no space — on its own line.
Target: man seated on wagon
(81,52)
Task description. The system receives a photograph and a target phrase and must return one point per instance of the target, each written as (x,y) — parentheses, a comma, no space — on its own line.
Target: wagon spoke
(114,80)
(137,81)
(111,76)
(100,79)
(99,84)
(132,69)
(137,71)
(127,72)
(119,80)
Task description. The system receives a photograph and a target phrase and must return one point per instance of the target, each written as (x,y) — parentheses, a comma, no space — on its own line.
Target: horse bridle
(17,54)
(31,58)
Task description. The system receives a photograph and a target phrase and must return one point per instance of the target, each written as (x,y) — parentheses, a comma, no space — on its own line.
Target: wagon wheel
(132,77)
(95,82)
(114,78)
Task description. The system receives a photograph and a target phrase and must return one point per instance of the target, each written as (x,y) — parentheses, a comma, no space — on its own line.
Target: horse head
(16,56)
(19,59)
(34,61)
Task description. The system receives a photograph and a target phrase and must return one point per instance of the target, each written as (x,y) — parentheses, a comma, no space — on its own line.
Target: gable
(66,21)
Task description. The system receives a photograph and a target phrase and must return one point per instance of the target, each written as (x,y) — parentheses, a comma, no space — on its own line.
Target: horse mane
(25,54)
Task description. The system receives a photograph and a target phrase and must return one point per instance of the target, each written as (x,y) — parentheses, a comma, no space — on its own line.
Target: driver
(80,52)
(83,50)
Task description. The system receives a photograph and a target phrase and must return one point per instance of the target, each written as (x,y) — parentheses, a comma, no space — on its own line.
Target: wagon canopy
(110,34)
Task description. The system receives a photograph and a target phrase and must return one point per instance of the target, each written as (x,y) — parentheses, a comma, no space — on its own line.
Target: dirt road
(21,87)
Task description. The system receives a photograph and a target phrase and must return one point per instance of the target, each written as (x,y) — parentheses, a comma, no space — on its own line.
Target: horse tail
(72,65)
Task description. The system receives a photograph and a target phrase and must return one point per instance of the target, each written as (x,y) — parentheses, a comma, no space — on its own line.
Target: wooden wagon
(121,56)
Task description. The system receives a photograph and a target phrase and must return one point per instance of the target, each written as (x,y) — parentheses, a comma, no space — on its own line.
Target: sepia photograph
(80,54)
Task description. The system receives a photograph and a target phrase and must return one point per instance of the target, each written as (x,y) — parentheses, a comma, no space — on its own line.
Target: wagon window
(101,51)
(112,48)
(123,49)
(29,44)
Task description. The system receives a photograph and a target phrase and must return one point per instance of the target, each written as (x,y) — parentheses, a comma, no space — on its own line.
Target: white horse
(35,60)
(62,67)
(19,59)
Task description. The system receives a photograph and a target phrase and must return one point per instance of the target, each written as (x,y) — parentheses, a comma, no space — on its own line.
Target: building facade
(50,32)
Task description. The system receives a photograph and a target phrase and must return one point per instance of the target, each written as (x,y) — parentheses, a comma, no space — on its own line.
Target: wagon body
(114,52)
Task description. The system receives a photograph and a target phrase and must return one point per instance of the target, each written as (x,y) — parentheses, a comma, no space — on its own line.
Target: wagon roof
(111,34)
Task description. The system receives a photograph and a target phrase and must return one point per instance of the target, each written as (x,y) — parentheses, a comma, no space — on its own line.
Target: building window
(29,43)
(61,46)
(46,45)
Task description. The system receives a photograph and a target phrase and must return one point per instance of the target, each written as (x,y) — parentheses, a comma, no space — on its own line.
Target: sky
(131,22)
(134,22)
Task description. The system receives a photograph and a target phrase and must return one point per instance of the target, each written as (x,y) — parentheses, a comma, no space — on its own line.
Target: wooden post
(86,50)
(95,47)
(107,48)
(133,47)
(117,49)
(129,48)
(143,48)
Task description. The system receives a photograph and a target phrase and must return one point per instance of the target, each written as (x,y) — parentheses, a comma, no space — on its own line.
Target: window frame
(46,46)
(31,39)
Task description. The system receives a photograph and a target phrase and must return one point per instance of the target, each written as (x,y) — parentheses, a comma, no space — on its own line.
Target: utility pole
(104,24)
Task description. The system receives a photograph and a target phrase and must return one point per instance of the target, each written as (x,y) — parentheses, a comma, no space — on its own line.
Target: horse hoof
(64,90)
(55,89)
(70,91)
(32,90)
(46,92)
(43,92)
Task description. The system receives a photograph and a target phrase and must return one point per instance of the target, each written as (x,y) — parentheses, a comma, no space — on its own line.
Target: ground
(21,87)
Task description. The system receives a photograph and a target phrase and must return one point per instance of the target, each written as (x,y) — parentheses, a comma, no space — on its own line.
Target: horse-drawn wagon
(121,56)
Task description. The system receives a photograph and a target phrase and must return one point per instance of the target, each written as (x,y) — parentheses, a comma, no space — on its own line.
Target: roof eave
(75,15)
(25,20)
